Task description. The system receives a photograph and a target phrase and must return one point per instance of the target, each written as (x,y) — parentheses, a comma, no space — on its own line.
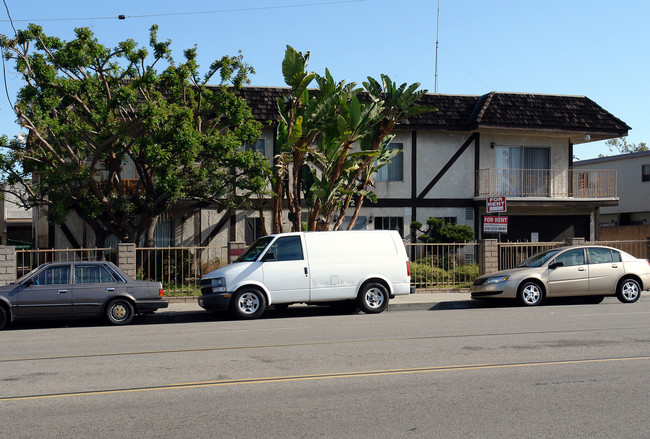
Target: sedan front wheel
(530,294)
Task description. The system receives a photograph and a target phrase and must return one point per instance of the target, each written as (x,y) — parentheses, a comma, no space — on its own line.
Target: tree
(620,144)
(318,161)
(117,142)
(440,231)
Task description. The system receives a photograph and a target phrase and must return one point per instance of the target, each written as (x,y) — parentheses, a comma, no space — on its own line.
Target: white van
(363,267)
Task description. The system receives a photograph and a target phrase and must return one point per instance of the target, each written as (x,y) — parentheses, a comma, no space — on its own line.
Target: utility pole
(435,83)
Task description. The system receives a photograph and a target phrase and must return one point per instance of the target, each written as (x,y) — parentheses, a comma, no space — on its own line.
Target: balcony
(546,183)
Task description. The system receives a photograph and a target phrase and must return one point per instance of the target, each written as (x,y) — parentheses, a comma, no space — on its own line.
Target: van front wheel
(373,298)
(248,303)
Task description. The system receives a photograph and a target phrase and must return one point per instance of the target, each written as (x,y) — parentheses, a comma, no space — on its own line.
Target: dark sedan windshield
(253,252)
(539,259)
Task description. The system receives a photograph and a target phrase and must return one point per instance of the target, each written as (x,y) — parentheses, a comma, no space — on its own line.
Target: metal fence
(443,265)
(432,265)
(512,254)
(180,269)
(638,248)
(27,260)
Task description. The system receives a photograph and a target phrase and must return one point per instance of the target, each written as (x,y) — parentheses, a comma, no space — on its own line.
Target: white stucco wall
(634,194)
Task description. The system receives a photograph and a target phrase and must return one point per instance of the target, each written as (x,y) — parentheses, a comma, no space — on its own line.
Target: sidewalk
(412,302)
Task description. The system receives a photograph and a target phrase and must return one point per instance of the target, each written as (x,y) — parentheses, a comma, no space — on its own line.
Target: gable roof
(495,110)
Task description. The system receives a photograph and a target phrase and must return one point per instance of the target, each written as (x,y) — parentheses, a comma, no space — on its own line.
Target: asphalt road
(458,370)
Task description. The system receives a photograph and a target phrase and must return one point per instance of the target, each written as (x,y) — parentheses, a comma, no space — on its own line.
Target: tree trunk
(355,215)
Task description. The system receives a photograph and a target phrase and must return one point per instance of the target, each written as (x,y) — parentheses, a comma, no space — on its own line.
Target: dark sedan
(79,289)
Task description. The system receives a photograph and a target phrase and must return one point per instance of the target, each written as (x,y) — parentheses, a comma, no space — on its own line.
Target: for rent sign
(495,224)
(495,204)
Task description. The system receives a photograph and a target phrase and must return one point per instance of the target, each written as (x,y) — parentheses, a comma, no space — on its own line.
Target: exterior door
(573,277)
(93,283)
(605,269)
(287,275)
(50,293)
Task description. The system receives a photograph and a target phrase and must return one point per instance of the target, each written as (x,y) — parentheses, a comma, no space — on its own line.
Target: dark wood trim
(429,202)
(68,234)
(473,138)
(216,229)
(414,182)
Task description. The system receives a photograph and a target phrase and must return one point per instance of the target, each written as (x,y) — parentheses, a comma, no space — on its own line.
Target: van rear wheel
(248,303)
(373,298)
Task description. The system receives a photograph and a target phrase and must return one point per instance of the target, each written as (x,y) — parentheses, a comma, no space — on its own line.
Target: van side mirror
(269,257)
(555,265)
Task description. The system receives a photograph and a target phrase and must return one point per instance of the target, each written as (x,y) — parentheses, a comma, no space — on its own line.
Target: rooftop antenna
(435,83)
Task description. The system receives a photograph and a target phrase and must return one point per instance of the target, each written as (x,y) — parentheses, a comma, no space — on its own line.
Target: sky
(595,48)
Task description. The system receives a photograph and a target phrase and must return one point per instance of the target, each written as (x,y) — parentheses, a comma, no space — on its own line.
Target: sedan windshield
(253,252)
(539,259)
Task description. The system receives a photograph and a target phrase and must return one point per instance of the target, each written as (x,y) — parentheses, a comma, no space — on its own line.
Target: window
(571,257)
(163,234)
(92,274)
(258,146)
(253,230)
(600,255)
(645,172)
(57,275)
(288,248)
(448,219)
(390,223)
(394,171)
(522,171)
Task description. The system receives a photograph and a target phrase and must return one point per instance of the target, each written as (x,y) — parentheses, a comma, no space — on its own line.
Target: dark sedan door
(49,293)
(93,285)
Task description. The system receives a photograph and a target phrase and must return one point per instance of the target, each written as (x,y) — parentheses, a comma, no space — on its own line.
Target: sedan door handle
(581,269)
(110,289)
(62,291)
(614,265)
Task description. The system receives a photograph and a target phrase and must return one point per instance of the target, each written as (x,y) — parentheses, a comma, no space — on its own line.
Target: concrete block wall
(488,257)
(7,264)
(126,259)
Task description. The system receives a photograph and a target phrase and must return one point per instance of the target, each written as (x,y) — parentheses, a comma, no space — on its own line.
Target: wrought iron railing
(443,265)
(552,183)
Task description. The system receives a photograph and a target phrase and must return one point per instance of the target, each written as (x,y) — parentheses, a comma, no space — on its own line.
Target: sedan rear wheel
(628,291)
(119,312)
(530,294)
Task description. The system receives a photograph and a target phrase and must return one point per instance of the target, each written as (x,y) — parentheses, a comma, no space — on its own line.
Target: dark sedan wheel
(248,303)
(373,298)
(530,294)
(119,312)
(4,317)
(628,291)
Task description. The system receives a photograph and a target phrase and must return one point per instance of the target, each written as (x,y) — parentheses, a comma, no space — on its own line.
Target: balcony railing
(551,183)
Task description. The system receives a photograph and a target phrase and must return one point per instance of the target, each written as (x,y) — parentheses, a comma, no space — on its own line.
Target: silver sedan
(590,271)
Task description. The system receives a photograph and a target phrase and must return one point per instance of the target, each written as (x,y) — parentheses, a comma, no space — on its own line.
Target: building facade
(630,219)
(515,145)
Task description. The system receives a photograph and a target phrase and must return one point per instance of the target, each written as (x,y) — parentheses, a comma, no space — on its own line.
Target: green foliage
(620,144)
(440,231)
(117,135)
(438,271)
(334,138)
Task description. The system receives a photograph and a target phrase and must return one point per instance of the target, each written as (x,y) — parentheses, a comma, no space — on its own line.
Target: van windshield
(253,252)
